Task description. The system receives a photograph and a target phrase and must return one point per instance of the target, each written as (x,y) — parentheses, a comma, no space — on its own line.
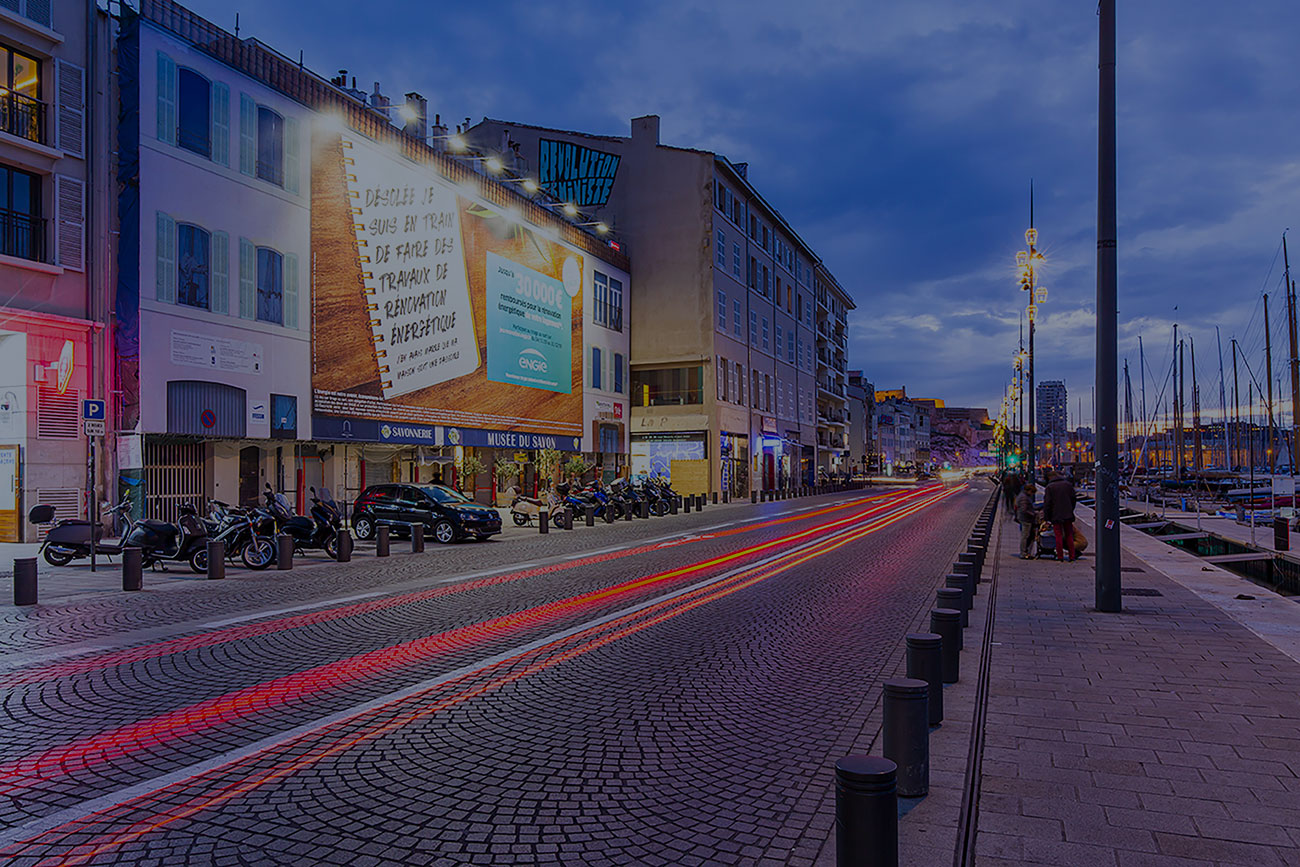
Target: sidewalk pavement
(1167,734)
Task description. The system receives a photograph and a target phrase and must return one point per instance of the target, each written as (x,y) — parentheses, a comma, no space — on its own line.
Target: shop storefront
(733,455)
(681,457)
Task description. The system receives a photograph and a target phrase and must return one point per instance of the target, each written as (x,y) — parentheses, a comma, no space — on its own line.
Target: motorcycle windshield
(282,504)
(324,495)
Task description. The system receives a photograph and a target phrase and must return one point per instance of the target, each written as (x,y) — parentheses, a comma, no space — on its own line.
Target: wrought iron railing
(22,116)
(22,235)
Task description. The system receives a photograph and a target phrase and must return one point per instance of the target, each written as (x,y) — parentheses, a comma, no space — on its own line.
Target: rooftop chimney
(416,116)
(646,129)
(379,102)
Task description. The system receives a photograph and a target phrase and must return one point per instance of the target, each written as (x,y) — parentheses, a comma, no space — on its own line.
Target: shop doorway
(250,474)
(173,477)
(10,501)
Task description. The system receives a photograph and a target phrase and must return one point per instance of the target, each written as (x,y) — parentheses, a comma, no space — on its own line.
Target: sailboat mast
(1198,461)
(1223,400)
(1236,408)
(1295,359)
(1268,372)
(1178,406)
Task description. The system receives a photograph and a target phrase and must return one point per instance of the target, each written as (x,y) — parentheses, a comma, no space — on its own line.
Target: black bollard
(609,513)
(699,502)
(866,812)
(963,582)
(946,623)
(629,512)
(954,598)
(417,538)
(726,497)
(283,552)
(589,512)
(543,521)
(715,498)
(672,506)
(686,505)
(381,540)
(25,581)
(906,733)
(216,559)
(343,543)
(132,568)
(925,662)
(753,497)
(645,508)
(972,564)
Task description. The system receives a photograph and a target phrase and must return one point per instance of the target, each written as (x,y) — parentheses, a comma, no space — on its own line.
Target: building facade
(311,294)
(731,308)
(1051,408)
(53,345)
(862,423)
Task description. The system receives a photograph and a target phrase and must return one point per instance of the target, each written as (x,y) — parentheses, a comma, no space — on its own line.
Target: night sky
(900,139)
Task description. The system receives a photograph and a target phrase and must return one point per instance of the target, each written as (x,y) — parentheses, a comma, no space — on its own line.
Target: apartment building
(53,344)
(729,391)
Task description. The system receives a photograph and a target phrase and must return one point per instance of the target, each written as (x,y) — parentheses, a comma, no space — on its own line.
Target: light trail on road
(95,834)
(239,704)
(216,637)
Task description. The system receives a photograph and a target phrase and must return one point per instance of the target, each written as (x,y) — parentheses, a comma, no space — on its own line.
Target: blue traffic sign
(92,410)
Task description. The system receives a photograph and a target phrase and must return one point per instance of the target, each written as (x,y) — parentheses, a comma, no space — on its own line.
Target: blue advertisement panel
(529,336)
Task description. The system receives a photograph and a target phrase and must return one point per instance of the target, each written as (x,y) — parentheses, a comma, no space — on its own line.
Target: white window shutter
(220,123)
(247,280)
(220,271)
(71,84)
(247,135)
(70,228)
(165,276)
(290,290)
(291,150)
(166,99)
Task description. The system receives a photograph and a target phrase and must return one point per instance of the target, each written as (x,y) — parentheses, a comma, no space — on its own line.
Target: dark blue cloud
(900,140)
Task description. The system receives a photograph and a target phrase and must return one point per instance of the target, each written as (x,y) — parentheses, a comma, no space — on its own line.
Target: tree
(575,467)
(547,461)
(470,467)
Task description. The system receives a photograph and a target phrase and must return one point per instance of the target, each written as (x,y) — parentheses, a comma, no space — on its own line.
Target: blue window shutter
(290,290)
(247,280)
(291,146)
(166,99)
(618,372)
(220,123)
(220,290)
(595,367)
(165,277)
(247,135)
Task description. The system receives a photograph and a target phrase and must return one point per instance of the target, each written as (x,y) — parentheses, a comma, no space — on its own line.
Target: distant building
(1051,416)
(862,422)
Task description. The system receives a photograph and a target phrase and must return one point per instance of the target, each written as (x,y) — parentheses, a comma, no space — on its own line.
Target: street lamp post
(1027,264)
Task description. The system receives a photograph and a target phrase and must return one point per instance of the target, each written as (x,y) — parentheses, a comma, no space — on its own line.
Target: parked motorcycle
(70,539)
(246,534)
(159,541)
(319,532)
(183,542)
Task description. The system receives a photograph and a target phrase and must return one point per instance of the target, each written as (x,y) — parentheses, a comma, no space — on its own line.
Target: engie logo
(532,359)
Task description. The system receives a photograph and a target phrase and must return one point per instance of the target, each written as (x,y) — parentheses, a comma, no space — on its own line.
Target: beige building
(738,331)
(53,345)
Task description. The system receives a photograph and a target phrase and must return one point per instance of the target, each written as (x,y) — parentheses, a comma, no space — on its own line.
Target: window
(722,310)
(737,212)
(754,383)
(21,111)
(193,257)
(753,328)
(673,386)
(740,383)
(778,338)
(753,273)
(767,392)
(799,306)
(720,197)
(595,367)
(22,231)
(618,372)
(767,282)
(194,112)
(736,321)
(735,261)
(766,240)
(608,307)
(766,345)
(270,146)
(270,286)
(789,346)
(723,367)
(721,252)
(284,417)
(753,226)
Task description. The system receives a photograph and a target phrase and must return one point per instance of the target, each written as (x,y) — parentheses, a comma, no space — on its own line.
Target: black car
(447,515)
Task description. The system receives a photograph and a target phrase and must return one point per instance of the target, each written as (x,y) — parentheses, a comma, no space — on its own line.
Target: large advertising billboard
(434,310)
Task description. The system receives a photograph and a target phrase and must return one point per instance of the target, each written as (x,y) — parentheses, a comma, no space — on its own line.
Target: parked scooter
(70,539)
(246,534)
(319,532)
(183,542)
(524,509)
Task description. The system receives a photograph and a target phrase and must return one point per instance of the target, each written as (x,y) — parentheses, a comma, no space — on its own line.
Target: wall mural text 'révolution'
(574,173)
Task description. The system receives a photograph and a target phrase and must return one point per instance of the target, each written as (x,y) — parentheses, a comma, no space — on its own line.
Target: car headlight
(467,514)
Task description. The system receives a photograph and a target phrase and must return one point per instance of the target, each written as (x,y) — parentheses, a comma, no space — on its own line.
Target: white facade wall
(242,213)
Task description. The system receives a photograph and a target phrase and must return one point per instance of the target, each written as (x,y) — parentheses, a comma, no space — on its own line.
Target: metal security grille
(58,416)
(174,476)
(67,503)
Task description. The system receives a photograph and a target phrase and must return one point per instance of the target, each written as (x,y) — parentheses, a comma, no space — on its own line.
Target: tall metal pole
(1223,401)
(1295,359)
(1107,574)
(1236,409)
(1268,371)
(1179,382)
(1198,462)
(1142,378)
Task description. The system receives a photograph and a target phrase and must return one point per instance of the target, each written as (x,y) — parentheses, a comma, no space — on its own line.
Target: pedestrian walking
(1027,514)
(1058,507)
(1011,486)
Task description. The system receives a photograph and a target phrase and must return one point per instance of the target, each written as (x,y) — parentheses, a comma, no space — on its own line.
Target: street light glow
(493,165)
(457,143)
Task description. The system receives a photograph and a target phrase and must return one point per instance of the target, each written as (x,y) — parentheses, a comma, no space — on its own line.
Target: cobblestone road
(652,693)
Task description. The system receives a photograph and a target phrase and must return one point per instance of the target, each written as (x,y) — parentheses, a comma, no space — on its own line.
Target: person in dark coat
(1027,515)
(1058,508)
(1011,486)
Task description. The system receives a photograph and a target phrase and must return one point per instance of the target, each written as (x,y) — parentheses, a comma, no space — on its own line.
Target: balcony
(22,116)
(22,235)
